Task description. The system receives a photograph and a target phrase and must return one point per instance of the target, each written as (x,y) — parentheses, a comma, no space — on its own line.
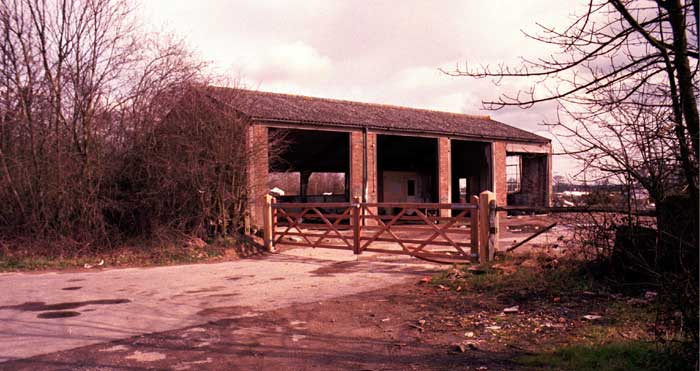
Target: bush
(187,173)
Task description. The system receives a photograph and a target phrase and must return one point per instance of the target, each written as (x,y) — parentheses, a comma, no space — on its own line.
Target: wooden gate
(432,231)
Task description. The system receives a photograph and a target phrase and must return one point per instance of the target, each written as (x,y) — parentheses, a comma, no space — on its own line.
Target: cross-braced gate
(431,231)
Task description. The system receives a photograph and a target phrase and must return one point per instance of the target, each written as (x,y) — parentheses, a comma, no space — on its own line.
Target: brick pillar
(372,175)
(444,174)
(372,167)
(257,167)
(498,150)
(356,164)
(499,172)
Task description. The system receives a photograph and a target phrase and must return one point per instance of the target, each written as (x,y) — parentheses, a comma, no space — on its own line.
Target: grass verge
(618,356)
(184,251)
(568,315)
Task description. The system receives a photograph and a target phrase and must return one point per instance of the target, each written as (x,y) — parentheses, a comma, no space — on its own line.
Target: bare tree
(78,79)
(626,84)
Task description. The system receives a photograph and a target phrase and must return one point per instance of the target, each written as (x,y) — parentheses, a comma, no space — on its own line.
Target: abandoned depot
(384,153)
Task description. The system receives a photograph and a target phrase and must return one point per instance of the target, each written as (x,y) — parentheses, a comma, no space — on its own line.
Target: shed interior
(471,169)
(527,179)
(310,166)
(407,169)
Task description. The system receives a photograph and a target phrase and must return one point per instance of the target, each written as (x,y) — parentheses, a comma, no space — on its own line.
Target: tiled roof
(314,111)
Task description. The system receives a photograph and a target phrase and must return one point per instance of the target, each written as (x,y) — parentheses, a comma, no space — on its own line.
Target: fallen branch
(545,229)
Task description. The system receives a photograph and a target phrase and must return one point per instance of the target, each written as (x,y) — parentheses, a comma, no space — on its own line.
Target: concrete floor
(101,306)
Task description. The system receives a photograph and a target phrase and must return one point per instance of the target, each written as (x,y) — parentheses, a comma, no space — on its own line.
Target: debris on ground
(90,266)
(514,309)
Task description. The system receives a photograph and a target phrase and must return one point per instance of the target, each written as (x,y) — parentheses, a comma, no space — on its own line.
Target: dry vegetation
(108,137)
(565,313)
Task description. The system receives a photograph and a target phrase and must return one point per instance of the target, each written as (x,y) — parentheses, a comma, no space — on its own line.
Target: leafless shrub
(188,171)
(105,132)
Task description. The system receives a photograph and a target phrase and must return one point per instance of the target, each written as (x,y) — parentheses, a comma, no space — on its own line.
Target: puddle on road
(60,314)
(236,278)
(223,295)
(40,306)
(71,288)
(207,289)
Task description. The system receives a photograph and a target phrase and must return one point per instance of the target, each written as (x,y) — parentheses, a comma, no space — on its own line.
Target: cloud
(381,51)
(291,62)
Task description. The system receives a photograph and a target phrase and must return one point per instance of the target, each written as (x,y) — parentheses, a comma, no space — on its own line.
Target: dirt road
(50,312)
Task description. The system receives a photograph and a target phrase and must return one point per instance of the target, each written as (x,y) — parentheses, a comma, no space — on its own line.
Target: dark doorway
(407,169)
(526,177)
(312,165)
(471,169)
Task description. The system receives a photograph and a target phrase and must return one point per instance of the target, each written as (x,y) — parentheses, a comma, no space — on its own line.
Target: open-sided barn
(384,153)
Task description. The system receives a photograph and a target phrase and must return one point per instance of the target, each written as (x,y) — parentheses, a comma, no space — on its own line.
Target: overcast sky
(372,51)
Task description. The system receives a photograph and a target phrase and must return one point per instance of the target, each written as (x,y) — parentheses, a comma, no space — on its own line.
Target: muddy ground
(418,325)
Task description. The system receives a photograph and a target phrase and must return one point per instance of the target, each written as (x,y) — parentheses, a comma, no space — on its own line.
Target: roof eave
(322,124)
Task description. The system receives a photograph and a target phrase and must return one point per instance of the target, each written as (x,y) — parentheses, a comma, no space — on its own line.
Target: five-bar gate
(448,233)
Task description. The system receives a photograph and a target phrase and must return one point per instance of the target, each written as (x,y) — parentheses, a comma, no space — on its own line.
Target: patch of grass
(621,356)
(521,282)
(32,263)
(138,254)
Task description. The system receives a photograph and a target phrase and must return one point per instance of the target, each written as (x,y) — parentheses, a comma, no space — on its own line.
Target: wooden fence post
(356,224)
(268,233)
(493,229)
(474,213)
(485,199)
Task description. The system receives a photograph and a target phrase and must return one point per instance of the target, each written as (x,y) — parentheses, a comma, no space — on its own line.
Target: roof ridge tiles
(346,101)
(331,111)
